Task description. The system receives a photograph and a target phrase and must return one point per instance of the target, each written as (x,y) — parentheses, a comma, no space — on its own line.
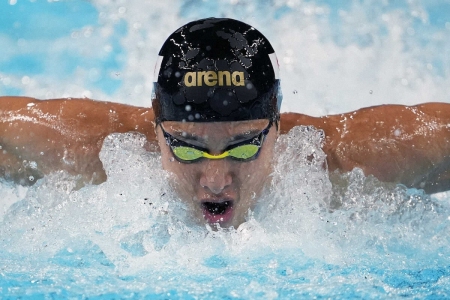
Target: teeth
(216,208)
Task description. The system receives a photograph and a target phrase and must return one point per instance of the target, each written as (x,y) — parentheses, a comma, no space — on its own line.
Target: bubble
(188,107)
(25,80)
(75,34)
(31,178)
(87,32)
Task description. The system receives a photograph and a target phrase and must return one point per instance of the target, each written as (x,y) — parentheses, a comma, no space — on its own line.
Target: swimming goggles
(243,151)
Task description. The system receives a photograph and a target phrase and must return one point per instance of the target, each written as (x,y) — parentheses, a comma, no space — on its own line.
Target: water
(133,238)
(130,238)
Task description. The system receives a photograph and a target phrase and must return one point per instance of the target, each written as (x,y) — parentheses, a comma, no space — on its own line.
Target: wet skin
(219,191)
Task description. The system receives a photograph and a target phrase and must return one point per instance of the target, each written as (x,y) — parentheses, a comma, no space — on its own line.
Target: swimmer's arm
(63,134)
(395,143)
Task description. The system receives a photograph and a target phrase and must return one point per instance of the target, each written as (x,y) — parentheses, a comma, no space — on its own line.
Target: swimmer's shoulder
(82,118)
(112,113)
(439,111)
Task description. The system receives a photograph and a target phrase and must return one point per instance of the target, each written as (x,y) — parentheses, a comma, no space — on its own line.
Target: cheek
(256,174)
(253,176)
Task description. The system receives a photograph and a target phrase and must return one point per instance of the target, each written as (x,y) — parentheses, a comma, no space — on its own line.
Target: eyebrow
(188,137)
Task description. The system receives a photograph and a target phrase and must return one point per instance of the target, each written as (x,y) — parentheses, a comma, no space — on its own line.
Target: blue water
(358,238)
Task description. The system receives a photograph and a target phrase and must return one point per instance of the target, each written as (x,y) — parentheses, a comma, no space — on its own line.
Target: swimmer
(215,119)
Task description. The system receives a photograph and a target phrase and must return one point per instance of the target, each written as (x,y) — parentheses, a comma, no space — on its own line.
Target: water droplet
(371,92)
(188,108)
(295,92)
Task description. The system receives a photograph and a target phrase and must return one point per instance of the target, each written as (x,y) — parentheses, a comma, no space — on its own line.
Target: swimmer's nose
(216,176)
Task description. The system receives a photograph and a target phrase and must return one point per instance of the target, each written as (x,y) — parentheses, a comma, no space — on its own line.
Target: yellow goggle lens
(244,151)
(187,153)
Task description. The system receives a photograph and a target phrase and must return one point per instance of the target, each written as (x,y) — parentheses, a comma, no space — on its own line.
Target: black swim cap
(216,70)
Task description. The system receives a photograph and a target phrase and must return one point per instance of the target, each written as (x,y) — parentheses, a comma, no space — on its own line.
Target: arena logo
(212,78)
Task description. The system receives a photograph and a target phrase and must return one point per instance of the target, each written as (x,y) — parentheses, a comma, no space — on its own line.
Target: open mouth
(217,212)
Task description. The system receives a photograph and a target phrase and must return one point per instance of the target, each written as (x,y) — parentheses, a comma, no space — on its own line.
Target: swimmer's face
(219,190)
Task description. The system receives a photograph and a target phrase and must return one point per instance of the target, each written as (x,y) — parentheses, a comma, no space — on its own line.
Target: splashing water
(131,236)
